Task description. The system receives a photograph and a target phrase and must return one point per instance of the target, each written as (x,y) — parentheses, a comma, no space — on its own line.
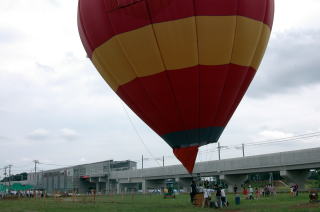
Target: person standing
(235,189)
(291,191)
(250,193)
(257,193)
(245,193)
(266,191)
(224,201)
(296,190)
(193,191)
(207,196)
(218,196)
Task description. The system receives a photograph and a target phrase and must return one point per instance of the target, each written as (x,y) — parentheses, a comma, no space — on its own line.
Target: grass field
(155,203)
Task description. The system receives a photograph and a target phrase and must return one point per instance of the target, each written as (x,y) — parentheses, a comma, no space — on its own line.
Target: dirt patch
(116,202)
(307,205)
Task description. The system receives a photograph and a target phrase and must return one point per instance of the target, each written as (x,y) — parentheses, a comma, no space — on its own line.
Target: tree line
(16,177)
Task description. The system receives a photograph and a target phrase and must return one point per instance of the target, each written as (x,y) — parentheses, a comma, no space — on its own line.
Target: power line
(265,142)
(51,164)
(136,131)
(305,136)
(297,137)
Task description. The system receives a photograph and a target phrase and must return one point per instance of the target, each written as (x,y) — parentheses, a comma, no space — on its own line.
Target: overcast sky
(55,107)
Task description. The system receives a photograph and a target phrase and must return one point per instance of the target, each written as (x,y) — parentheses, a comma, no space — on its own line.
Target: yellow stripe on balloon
(110,59)
(247,38)
(178,43)
(129,55)
(261,48)
(183,43)
(104,72)
(215,38)
(141,50)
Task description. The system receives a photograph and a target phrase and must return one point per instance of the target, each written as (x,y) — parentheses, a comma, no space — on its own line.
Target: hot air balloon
(182,66)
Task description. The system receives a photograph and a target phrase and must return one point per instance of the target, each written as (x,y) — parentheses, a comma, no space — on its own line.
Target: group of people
(294,190)
(249,192)
(255,193)
(23,194)
(213,196)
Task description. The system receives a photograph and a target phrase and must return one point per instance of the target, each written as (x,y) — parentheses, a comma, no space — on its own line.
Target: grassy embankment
(155,203)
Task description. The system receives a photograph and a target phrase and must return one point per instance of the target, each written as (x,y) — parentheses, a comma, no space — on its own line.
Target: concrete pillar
(97,187)
(144,186)
(185,184)
(234,179)
(108,187)
(118,187)
(296,176)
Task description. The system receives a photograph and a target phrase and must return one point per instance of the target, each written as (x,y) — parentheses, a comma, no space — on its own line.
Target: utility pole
(163,161)
(242,150)
(142,162)
(5,172)
(9,167)
(109,177)
(219,149)
(35,171)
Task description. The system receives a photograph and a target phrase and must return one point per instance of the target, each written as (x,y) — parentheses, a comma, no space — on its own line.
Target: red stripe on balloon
(252,9)
(94,24)
(83,36)
(248,79)
(99,20)
(258,9)
(268,19)
(233,87)
(129,18)
(168,10)
(190,98)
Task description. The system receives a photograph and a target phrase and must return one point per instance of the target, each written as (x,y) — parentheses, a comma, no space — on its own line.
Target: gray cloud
(38,134)
(292,61)
(55,3)
(44,67)
(8,35)
(69,134)
(4,138)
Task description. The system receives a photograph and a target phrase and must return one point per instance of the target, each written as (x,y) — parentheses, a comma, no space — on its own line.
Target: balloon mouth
(187,156)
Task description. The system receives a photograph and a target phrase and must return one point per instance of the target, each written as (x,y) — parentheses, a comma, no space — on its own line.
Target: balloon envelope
(182,66)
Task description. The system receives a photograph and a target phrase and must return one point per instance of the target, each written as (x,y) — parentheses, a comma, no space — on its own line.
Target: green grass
(155,203)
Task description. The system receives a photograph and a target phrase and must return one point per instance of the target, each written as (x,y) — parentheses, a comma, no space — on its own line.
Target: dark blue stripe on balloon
(194,137)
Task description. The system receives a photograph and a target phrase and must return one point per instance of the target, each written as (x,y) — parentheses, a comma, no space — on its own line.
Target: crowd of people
(212,195)
(257,192)
(23,194)
(215,195)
